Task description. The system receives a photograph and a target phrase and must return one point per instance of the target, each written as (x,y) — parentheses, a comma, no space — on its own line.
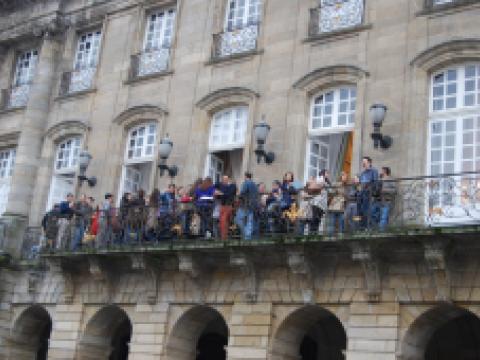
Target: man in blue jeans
(383,206)
(368,184)
(245,217)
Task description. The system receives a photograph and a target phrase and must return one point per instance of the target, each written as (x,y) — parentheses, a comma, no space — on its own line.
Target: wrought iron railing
(15,97)
(381,208)
(237,41)
(150,62)
(335,15)
(76,81)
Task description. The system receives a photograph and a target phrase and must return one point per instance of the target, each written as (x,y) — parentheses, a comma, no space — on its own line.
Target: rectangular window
(25,67)
(141,142)
(340,14)
(242,13)
(7,162)
(159,31)
(88,48)
(318,156)
(158,41)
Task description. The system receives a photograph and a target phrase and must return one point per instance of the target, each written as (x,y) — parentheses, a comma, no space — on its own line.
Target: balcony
(334,17)
(15,97)
(236,42)
(77,81)
(419,207)
(150,63)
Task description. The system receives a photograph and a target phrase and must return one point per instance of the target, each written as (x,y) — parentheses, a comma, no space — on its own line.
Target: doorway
(221,163)
(332,152)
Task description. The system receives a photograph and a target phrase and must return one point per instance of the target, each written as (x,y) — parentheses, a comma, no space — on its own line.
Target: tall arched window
(227,140)
(332,119)
(65,166)
(139,157)
(454,144)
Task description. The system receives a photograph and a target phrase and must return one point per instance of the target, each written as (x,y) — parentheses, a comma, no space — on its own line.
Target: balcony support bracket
(372,268)
(436,258)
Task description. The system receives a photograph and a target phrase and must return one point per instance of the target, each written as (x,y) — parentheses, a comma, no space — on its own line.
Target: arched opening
(107,335)
(200,334)
(443,333)
(31,334)
(310,333)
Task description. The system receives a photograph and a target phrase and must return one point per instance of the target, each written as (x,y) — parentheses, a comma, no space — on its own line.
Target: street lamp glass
(261,131)
(84,159)
(377,114)
(165,148)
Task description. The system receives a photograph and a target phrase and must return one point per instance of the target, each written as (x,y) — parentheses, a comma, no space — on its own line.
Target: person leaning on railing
(384,200)
(65,216)
(352,203)
(204,197)
(336,205)
(82,213)
(248,205)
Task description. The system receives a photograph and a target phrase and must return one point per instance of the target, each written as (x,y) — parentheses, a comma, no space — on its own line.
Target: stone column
(30,145)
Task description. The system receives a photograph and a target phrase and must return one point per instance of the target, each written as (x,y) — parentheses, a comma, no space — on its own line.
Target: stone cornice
(145,112)
(448,52)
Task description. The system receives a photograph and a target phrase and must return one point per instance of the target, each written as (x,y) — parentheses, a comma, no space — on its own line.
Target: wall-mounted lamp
(84,159)
(164,150)
(261,131)
(377,116)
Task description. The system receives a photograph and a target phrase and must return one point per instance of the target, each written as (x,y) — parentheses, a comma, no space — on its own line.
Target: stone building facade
(115,77)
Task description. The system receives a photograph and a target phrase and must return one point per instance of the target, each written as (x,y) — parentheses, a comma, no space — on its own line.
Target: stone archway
(201,333)
(309,333)
(107,336)
(31,334)
(443,333)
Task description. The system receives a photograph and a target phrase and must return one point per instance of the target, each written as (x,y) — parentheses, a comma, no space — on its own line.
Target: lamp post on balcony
(261,131)
(84,159)
(164,150)
(377,116)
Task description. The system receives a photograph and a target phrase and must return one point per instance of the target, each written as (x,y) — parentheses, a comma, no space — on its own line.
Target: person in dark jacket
(225,192)
(245,218)
(204,201)
(65,215)
(287,191)
(83,212)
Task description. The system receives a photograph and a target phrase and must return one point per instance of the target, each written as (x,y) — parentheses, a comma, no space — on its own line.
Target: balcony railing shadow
(77,81)
(236,41)
(151,62)
(382,209)
(14,97)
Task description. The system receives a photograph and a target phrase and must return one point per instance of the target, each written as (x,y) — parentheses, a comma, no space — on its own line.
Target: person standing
(204,201)
(388,192)
(336,206)
(65,216)
(226,192)
(82,211)
(368,183)
(249,202)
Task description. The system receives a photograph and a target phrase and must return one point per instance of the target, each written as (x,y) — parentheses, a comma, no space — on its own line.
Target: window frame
(230,145)
(349,126)
(31,68)
(148,15)
(76,64)
(72,161)
(144,157)
(246,15)
(7,164)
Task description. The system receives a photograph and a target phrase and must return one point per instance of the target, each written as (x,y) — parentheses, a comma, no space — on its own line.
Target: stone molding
(446,53)
(139,114)
(328,76)
(9,139)
(220,98)
(436,258)
(63,129)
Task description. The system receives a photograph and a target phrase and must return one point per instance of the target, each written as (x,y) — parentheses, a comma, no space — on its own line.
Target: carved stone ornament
(435,254)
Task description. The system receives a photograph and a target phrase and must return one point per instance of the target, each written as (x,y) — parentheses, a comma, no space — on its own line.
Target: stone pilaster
(249,331)
(65,331)
(372,331)
(31,137)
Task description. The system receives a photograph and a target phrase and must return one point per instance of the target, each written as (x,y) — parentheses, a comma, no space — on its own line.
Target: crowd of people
(222,210)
